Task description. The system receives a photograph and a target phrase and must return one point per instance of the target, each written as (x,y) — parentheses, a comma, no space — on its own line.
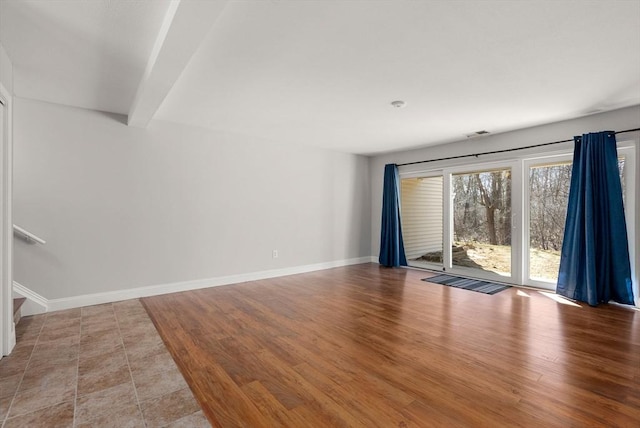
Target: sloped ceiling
(89,54)
(324,73)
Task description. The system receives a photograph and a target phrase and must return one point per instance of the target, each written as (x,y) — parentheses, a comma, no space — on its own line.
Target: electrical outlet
(275,254)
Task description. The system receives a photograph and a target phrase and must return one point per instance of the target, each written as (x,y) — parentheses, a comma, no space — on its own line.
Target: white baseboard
(35,304)
(155,290)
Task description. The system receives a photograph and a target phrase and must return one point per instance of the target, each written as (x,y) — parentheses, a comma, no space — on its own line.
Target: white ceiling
(323,73)
(87,53)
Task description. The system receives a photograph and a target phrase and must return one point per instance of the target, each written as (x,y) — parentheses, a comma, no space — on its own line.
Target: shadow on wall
(121,118)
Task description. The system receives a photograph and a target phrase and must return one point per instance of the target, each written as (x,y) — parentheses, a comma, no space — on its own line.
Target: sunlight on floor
(522,293)
(559,299)
(633,308)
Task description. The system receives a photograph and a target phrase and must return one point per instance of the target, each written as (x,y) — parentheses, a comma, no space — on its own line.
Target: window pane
(482,221)
(422,221)
(548,198)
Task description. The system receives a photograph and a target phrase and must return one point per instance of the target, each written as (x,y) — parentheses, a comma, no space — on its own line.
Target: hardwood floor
(370,346)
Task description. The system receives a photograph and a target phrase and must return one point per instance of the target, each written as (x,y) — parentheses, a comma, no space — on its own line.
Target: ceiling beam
(185,25)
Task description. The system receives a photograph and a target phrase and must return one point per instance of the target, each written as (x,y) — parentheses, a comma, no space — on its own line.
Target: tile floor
(98,366)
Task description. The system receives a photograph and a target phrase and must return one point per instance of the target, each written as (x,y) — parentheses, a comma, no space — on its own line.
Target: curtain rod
(504,150)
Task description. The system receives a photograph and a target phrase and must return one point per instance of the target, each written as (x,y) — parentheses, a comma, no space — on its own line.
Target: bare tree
(482,207)
(548,197)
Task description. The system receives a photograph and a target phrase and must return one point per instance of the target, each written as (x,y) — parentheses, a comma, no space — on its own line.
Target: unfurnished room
(308,213)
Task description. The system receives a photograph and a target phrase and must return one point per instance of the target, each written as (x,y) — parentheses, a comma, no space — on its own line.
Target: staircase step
(17,303)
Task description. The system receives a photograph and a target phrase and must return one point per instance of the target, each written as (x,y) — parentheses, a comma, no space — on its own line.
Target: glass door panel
(482,221)
(548,198)
(422,222)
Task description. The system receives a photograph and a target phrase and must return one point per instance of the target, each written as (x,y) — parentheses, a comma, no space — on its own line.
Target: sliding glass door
(501,221)
(482,221)
(459,220)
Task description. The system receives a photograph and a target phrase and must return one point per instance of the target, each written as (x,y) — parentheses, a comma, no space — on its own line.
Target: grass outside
(543,265)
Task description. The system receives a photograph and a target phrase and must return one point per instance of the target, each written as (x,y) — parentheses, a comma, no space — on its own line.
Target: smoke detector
(398,104)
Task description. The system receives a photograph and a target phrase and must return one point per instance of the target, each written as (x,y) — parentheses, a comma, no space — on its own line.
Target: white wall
(6,70)
(124,207)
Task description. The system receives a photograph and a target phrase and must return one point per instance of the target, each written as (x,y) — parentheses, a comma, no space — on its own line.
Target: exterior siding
(421,200)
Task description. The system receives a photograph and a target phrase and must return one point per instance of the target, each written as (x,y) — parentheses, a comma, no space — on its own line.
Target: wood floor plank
(273,410)
(370,346)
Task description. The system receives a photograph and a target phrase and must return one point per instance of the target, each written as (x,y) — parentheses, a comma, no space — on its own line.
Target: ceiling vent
(478,134)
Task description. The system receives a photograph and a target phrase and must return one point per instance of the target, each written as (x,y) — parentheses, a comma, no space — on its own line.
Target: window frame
(429,174)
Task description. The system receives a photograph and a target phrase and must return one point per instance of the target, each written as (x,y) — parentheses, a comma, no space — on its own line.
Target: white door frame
(516,203)
(7,328)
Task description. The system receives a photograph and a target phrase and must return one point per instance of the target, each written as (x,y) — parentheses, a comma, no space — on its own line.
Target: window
(548,189)
(548,198)
(499,221)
